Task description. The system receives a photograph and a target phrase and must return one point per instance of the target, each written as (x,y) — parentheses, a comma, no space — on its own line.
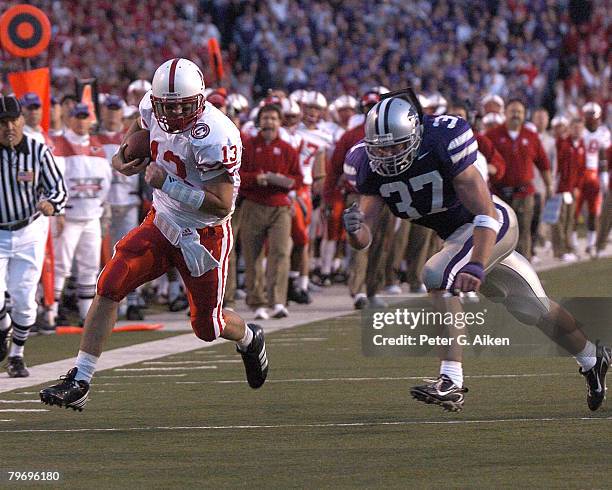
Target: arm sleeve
(461,149)
(215,159)
(52,179)
(146,111)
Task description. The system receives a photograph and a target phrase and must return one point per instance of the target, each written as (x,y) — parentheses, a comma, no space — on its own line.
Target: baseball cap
(80,110)
(9,107)
(113,102)
(31,99)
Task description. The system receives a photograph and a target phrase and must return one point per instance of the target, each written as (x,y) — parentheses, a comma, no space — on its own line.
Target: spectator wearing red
(522,151)
(270,170)
(571,160)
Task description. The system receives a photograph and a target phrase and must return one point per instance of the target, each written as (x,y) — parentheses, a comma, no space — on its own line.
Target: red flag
(216,61)
(37,81)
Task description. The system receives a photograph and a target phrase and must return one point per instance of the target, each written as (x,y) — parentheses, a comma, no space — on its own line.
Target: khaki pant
(420,248)
(258,223)
(523,207)
(397,252)
(562,231)
(367,267)
(605,222)
(230,288)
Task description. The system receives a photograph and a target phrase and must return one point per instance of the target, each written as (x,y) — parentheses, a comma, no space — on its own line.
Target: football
(138,146)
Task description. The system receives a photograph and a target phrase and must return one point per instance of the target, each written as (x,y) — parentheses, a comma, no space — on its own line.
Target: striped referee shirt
(28,174)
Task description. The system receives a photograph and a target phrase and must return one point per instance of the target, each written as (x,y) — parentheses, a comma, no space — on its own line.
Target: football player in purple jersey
(422,168)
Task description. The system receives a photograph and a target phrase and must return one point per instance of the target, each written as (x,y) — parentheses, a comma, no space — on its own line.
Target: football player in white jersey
(196,154)
(595,182)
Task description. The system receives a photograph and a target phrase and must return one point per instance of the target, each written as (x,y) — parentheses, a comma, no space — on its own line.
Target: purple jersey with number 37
(424,193)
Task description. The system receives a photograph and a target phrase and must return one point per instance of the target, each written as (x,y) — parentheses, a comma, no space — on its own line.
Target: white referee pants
(21,259)
(80,241)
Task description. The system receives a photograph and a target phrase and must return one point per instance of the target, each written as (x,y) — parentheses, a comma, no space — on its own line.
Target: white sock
(16,350)
(84,304)
(245,341)
(328,250)
(303,283)
(454,370)
(591,238)
(575,240)
(86,364)
(587,357)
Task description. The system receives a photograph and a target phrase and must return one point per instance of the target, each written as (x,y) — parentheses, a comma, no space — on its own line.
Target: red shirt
(335,166)
(521,156)
(571,162)
(493,157)
(260,157)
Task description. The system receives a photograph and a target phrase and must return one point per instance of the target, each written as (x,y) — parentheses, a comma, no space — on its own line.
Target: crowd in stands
(476,56)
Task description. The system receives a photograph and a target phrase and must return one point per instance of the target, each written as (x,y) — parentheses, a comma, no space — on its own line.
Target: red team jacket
(335,166)
(276,156)
(571,161)
(521,156)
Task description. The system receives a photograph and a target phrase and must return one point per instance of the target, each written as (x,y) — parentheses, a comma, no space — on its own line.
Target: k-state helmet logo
(200,131)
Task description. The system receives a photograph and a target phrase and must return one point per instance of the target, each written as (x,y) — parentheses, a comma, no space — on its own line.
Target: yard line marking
(24,409)
(178,368)
(7,420)
(315,425)
(177,363)
(140,376)
(19,401)
(385,378)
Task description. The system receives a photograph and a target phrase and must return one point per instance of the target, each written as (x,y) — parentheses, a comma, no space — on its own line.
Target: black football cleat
(255,359)
(441,391)
(596,377)
(16,368)
(5,336)
(70,393)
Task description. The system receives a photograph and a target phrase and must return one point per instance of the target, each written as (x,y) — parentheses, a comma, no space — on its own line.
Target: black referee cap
(9,107)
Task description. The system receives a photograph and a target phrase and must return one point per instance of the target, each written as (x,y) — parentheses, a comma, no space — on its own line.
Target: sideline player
(196,154)
(421,167)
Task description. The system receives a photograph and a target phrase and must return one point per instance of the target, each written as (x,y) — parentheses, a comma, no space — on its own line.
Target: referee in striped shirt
(31,188)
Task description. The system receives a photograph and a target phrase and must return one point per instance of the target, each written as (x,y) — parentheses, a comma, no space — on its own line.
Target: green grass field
(327,417)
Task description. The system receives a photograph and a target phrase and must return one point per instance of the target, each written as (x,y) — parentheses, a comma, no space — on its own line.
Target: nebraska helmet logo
(200,131)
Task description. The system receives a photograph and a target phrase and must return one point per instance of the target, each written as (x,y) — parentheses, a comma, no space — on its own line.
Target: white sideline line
(24,410)
(7,420)
(19,401)
(321,425)
(140,376)
(178,363)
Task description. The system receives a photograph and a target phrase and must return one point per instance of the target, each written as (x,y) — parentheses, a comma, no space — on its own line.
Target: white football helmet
(345,102)
(438,104)
(177,95)
(237,102)
(291,107)
(315,99)
(592,108)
